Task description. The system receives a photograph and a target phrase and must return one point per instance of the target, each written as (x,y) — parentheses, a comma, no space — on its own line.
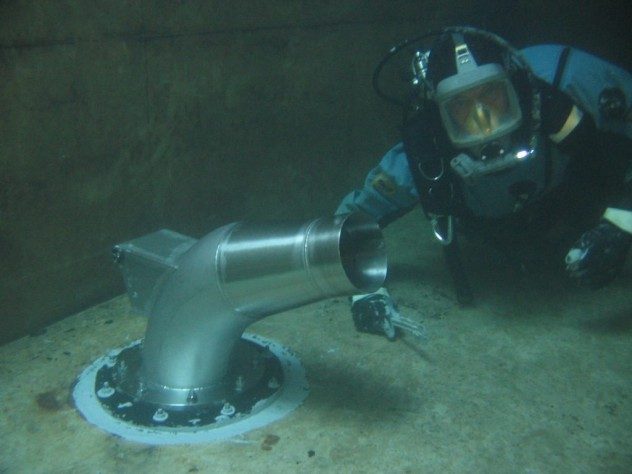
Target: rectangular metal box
(146,261)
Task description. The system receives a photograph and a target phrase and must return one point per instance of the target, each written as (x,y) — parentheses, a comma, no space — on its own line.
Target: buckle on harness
(443,228)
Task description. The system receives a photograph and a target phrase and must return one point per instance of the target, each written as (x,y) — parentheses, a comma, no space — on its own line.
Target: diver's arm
(599,254)
(388,192)
(608,156)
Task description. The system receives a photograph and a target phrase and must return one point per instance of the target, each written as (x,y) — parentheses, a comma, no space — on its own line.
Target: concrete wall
(122,117)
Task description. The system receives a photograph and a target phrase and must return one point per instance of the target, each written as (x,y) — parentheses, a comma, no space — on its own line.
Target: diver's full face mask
(479,103)
(479,106)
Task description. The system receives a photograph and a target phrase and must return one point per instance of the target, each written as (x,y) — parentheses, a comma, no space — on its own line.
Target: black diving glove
(377,313)
(372,313)
(598,256)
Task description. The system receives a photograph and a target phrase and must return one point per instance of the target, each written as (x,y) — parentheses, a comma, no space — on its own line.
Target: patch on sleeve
(384,184)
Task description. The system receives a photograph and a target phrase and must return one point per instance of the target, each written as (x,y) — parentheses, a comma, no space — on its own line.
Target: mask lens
(480,111)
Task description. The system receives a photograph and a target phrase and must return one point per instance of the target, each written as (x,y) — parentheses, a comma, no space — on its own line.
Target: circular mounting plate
(290,395)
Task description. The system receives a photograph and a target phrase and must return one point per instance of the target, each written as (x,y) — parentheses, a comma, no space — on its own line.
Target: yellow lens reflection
(479,110)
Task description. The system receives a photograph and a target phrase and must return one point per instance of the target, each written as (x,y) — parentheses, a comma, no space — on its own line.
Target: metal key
(413,327)
(406,324)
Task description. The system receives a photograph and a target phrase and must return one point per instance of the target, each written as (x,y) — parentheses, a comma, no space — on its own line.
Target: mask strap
(462,55)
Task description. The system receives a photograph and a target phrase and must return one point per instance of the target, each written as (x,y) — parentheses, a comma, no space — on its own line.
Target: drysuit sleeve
(388,191)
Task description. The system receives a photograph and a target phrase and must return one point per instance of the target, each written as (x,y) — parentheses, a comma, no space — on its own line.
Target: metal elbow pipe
(235,276)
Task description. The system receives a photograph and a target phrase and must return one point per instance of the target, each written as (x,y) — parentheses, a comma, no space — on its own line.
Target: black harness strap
(548,159)
(561,67)
(422,135)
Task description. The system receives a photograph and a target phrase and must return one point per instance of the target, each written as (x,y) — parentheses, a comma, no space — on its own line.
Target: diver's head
(482,92)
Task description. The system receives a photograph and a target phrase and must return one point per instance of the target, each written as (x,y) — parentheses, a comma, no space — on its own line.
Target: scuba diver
(528,151)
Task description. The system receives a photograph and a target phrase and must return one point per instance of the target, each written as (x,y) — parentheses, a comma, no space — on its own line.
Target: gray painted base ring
(294,390)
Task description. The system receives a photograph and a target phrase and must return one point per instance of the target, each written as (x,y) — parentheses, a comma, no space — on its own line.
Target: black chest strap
(426,146)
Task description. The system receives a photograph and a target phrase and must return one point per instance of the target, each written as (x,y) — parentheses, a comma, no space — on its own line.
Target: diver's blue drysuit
(580,179)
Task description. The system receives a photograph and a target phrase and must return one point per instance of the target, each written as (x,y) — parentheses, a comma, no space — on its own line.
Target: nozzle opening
(363,253)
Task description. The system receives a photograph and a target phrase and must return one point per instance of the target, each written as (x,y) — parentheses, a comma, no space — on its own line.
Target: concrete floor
(536,378)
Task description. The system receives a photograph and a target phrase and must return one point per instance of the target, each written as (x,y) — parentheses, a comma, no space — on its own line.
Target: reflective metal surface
(241,273)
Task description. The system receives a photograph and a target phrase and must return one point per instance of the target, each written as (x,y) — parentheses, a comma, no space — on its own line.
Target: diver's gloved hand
(373,312)
(377,313)
(598,256)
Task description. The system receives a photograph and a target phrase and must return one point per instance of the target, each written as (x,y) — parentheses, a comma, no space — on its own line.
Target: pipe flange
(280,386)
(251,370)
